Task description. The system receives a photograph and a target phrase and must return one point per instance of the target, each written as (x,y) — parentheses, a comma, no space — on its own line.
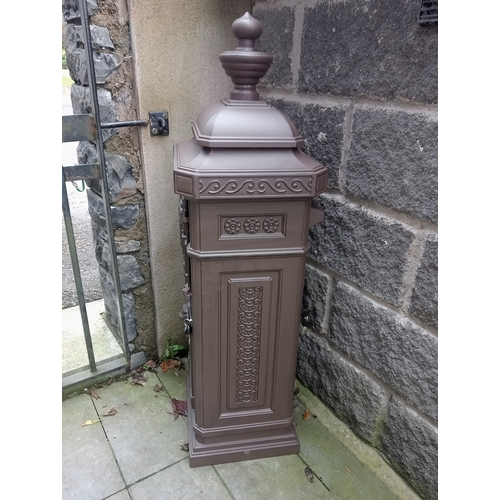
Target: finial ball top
(247,27)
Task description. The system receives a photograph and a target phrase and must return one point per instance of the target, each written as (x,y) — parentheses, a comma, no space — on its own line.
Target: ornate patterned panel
(248,343)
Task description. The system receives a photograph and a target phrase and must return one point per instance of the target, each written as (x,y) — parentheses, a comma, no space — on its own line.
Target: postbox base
(239,449)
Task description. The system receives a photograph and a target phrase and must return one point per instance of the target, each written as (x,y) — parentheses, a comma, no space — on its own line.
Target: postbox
(246,192)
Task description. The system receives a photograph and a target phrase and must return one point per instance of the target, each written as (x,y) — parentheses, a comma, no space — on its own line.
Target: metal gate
(88,127)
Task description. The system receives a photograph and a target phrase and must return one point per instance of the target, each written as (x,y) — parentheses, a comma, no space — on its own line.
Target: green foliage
(64,61)
(172,350)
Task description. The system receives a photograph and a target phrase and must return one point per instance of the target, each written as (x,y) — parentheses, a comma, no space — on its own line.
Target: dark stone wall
(359,79)
(112,58)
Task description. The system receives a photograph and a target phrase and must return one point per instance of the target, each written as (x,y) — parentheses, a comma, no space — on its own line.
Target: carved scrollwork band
(248,343)
(255,186)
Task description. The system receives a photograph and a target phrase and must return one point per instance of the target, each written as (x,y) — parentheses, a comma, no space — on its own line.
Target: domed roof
(247,124)
(244,120)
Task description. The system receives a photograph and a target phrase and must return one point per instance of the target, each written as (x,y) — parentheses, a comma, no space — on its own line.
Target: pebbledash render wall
(114,74)
(359,79)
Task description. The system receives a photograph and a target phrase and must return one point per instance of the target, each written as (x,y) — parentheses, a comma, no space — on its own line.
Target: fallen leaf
(158,388)
(89,422)
(179,407)
(110,412)
(170,364)
(309,474)
(347,470)
(151,365)
(134,381)
(306,415)
(92,393)
(185,447)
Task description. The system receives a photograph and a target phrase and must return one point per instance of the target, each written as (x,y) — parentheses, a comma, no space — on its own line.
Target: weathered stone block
(397,351)
(277,40)
(122,217)
(372,48)
(393,160)
(424,296)
(71,9)
(127,246)
(368,249)
(128,269)
(81,101)
(121,182)
(349,392)
(323,130)
(74,38)
(128,300)
(411,446)
(137,359)
(104,66)
(315,291)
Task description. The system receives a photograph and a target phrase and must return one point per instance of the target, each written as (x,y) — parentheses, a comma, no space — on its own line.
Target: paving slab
(339,468)
(74,349)
(121,495)
(273,478)
(179,482)
(174,382)
(89,470)
(144,437)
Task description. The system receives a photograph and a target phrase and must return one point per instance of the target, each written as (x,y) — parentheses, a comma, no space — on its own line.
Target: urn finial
(245,65)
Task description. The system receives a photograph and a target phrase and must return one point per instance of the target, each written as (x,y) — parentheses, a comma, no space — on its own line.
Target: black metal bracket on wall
(83,128)
(158,123)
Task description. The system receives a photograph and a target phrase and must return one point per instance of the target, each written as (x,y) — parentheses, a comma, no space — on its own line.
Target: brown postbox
(249,192)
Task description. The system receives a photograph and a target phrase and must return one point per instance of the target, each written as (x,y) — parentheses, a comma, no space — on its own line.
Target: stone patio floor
(137,453)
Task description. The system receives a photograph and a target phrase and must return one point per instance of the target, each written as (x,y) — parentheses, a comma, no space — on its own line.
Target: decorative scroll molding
(248,343)
(255,186)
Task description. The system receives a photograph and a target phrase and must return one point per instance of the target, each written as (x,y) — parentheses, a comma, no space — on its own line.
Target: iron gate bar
(82,172)
(78,128)
(76,273)
(125,123)
(104,181)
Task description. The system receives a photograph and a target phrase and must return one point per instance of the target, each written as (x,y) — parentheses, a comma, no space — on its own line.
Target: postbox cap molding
(245,124)
(217,173)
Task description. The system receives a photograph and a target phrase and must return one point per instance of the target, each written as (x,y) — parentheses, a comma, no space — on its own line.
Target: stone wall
(116,95)
(359,79)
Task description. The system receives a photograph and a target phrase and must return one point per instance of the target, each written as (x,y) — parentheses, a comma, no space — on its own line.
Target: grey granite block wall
(359,80)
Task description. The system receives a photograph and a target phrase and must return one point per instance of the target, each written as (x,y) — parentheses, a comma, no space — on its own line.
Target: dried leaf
(309,474)
(179,407)
(110,412)
(90,422)
(306,415)
(135,381)
(170,364)
(347,470)
(185,447)
(92,393)
(150,365)
(158,388)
